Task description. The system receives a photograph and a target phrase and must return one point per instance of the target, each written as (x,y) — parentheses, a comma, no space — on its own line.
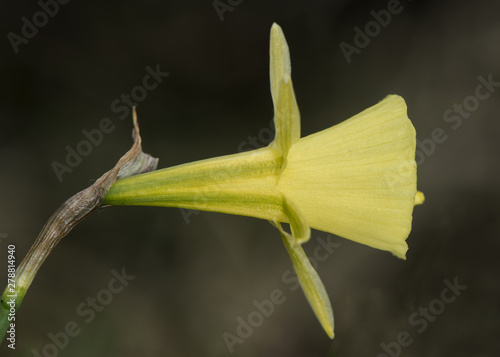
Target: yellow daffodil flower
(356,179)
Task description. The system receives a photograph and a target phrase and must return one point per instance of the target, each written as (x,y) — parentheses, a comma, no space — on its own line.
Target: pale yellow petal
(358,178)
(286,118)
(310,282)
(298,224)
(279,63)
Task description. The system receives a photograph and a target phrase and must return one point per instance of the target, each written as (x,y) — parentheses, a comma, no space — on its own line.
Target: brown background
(194,280)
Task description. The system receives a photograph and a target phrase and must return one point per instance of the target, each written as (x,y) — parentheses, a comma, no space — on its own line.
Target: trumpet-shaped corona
(356,179)
(342,177)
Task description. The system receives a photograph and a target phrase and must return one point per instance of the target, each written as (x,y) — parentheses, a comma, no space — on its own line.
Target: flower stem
(75,210)
(243,183)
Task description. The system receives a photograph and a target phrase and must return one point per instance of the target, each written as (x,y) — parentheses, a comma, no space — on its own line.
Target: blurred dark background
(196,275)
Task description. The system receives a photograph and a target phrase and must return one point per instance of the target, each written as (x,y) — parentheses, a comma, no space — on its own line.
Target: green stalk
(7,311)
(243,183)
(75,210)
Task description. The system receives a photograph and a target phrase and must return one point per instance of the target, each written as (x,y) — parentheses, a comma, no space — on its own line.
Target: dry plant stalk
(75,210)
